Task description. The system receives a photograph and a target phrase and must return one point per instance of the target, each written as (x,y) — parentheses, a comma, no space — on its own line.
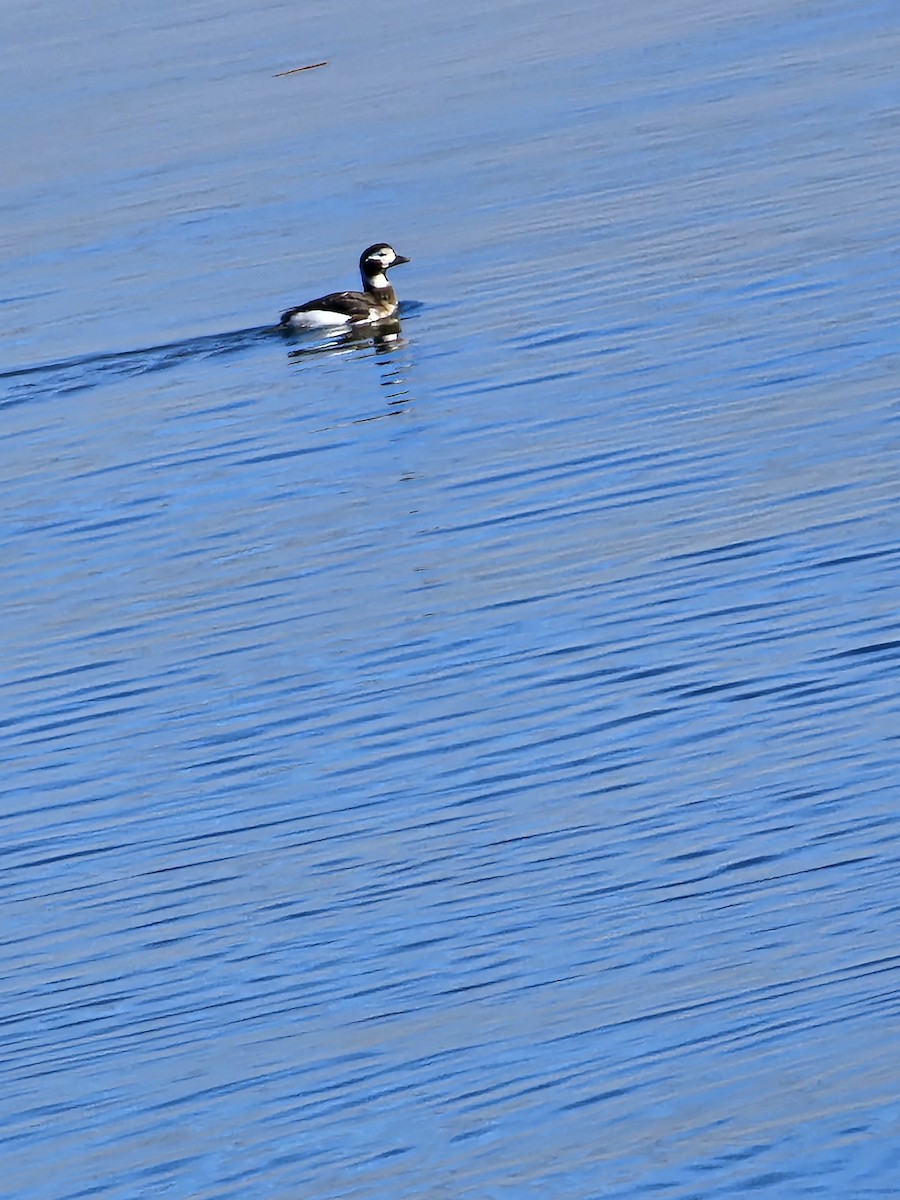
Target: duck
(376,302)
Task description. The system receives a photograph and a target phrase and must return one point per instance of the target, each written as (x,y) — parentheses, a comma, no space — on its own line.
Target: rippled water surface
(461,764)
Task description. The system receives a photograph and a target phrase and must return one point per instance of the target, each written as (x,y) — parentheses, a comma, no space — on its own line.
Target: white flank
(316,318)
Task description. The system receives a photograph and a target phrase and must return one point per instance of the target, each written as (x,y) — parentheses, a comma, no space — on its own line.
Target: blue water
(462,764)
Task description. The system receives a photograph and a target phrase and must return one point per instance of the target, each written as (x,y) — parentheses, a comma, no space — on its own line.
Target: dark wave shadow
(71,375)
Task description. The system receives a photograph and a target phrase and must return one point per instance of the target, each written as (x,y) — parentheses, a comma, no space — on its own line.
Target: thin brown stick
(295,70)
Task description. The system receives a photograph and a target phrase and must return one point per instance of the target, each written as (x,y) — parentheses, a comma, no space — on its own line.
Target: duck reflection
(382,343)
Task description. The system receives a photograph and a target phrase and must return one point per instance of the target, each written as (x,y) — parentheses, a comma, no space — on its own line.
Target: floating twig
(295,70)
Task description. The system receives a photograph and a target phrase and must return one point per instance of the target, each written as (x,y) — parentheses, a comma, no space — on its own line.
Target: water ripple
(460,763)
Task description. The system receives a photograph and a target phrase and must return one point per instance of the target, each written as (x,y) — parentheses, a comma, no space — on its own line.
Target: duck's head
(376,260)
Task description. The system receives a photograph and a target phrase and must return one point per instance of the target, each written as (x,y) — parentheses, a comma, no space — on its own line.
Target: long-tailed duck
(375,302)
